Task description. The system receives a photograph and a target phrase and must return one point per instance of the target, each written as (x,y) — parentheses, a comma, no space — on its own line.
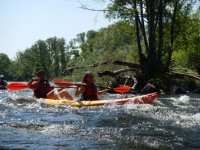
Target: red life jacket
(90,93)
(43,89)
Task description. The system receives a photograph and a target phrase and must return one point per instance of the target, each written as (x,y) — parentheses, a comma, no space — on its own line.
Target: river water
(172,122)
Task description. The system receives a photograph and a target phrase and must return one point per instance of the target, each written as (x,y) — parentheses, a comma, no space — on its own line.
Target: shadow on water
(172,122)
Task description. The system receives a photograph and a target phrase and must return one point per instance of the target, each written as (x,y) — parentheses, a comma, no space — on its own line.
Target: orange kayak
(143,99)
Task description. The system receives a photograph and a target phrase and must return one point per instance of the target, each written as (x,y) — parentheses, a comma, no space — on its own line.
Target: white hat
(1,76)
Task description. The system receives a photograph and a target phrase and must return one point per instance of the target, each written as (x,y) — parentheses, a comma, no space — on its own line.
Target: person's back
(3,82)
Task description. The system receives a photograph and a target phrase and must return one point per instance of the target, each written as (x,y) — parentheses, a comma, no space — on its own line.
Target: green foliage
(187,53)
(157,24)
(116,42)
(4,64)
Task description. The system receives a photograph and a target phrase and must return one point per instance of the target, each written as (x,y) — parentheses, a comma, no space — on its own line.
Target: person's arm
(79,90)
(49,86)
(102,92)
(33,84)
(5,83)
(126,81)
(30,83)
(135,82)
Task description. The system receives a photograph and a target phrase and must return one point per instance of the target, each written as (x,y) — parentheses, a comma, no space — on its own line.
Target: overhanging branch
(183,75)
(114,73)
(117,62)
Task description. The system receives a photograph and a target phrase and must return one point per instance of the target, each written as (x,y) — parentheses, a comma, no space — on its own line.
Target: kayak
(143,99)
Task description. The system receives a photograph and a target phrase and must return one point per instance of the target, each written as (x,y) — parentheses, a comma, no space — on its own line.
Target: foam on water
(183,100)
(163,125)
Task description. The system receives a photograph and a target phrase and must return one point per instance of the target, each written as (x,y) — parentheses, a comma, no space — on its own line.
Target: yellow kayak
(143,99)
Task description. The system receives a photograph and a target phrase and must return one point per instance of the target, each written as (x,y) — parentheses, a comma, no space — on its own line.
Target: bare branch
(83,6)
(114,73)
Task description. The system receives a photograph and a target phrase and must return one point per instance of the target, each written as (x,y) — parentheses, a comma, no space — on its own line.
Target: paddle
(120,89)
(21,86)
(64,83)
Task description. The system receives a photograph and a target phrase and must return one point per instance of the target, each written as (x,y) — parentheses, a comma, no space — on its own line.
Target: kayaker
(133,78)
(3,82)
(88,89)
(42,88)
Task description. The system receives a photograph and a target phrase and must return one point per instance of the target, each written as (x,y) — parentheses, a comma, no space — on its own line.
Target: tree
(187,45)
(154,22)
(4,65)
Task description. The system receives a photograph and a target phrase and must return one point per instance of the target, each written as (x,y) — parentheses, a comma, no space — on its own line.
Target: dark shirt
(3,84)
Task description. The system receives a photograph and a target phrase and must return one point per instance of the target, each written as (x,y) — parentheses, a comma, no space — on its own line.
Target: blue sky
(23,22)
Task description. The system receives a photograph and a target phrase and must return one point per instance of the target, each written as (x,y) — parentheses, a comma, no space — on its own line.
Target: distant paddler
(42,88)
(134,79)
(3,83)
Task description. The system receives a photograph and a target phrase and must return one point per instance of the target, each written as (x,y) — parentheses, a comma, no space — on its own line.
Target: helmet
(1,76)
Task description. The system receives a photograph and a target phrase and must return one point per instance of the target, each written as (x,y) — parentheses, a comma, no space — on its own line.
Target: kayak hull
(144,99)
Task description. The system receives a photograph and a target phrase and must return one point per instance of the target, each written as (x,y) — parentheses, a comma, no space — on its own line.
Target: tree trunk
(160,42)
(142,57)
(142,26)
(170,50)
(151,51)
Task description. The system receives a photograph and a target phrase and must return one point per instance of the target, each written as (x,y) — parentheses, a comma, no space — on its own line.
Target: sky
(23,22)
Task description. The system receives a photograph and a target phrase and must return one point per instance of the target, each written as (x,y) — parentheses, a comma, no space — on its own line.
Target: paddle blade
(122,89)
(17,86)
(64,83)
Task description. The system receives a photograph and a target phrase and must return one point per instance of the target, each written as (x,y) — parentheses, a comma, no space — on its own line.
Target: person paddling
(133,78)
(42,88)
(88,89)
(3,83)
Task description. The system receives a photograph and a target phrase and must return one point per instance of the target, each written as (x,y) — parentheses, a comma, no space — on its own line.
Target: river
(171,122)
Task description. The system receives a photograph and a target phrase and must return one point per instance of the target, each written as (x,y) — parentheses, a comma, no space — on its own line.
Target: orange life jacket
(42,89)
(90,93)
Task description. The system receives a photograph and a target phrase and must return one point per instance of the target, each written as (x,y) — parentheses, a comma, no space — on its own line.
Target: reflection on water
(172,122)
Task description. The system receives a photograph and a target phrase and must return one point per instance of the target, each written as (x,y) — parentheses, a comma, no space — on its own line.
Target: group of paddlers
(87,89)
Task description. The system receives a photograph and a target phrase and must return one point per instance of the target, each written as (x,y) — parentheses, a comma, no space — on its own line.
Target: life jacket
(3,85)
(90,93)
(42,89)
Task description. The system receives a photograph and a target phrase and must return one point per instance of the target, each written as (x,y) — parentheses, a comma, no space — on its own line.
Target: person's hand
(132,88)
(35,79)
(109,86)
(78,86)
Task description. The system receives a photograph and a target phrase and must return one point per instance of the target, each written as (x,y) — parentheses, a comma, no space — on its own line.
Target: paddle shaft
(120,89)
